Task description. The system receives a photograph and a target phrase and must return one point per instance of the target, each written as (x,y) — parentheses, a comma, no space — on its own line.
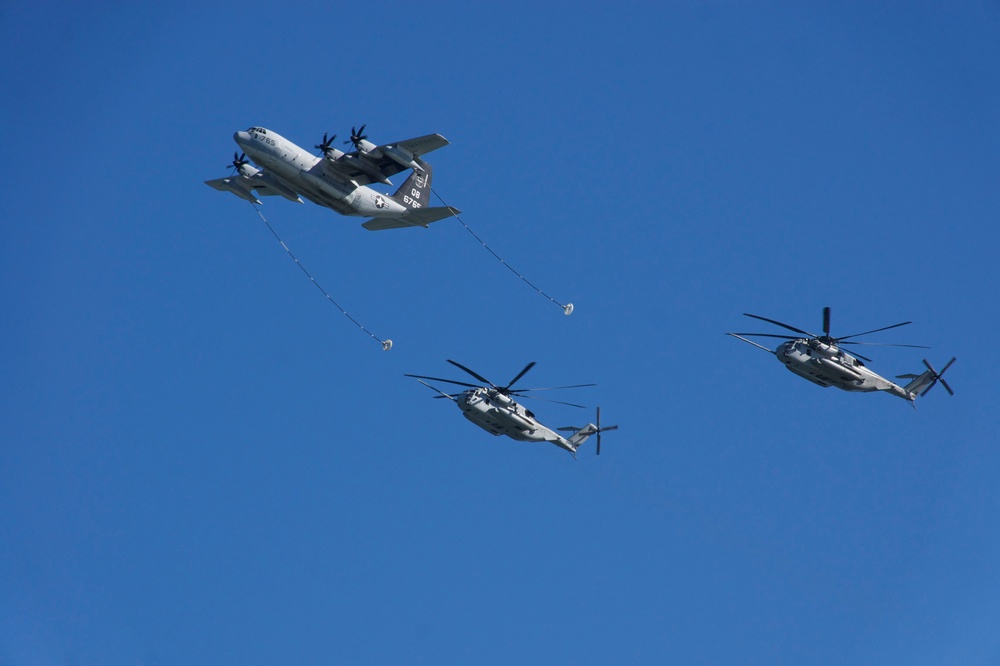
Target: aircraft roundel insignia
(380,202)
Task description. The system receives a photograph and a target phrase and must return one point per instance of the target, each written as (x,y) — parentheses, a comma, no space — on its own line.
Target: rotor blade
(863,358)
(520,374)
(881,344)
(558,402)
(476,375)
(551,388)
(768,335)
(778,323)
(598,452)
(443,394)
(740,337)
(937,376)
(826,322)
(884,328)
(439,379)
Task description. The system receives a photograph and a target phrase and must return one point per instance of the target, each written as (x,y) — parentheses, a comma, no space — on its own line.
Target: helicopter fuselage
(499,414)
(828,365)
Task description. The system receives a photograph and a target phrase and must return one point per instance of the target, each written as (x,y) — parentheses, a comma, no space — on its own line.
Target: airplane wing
(394,158)
(237,185)
(244,186)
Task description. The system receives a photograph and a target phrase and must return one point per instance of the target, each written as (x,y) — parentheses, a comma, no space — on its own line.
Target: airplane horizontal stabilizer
(419,217)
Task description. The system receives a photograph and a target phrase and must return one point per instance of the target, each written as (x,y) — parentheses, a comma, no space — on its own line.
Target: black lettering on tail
(416,191)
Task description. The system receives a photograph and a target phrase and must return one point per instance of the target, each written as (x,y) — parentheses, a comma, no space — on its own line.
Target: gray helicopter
(820,359)
(494,409)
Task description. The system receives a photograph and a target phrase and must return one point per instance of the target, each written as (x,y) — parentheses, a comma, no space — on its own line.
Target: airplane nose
(241,137)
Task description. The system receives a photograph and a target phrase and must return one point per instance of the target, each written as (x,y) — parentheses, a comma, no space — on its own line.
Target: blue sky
(204,462)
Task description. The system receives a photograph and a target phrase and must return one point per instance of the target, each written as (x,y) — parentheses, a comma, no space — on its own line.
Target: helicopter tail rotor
(926,380)
(582,434)
(935,377)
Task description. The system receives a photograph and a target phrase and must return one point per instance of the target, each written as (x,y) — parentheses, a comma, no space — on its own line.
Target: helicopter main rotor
(502,390)
(826,338)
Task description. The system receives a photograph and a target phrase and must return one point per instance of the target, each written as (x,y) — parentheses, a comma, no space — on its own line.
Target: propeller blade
(474,374)
(778,323)
(439,379)
(519,375)
(826,322)
(876,330)
(357,136)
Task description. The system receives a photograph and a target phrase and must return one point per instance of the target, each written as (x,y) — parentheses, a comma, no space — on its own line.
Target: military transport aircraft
(820,359)
(339,180)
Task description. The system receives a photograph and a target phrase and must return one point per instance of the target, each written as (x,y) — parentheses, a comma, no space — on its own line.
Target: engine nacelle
(501,399)
(834,366)
(402,157)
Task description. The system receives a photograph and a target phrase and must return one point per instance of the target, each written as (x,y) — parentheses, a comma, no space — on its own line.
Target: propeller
(357,136)
(936,377)
(325,147)
(238,161)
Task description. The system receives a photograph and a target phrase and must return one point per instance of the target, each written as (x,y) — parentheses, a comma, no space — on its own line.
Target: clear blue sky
(202,461)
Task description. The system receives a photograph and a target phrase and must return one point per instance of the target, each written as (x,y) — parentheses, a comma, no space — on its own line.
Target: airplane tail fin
(415,192)
(926,380)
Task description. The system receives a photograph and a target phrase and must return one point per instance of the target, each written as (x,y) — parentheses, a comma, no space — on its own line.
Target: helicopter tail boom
(926,380)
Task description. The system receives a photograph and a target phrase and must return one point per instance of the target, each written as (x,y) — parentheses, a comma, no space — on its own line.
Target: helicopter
(820,359)
(494,409)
